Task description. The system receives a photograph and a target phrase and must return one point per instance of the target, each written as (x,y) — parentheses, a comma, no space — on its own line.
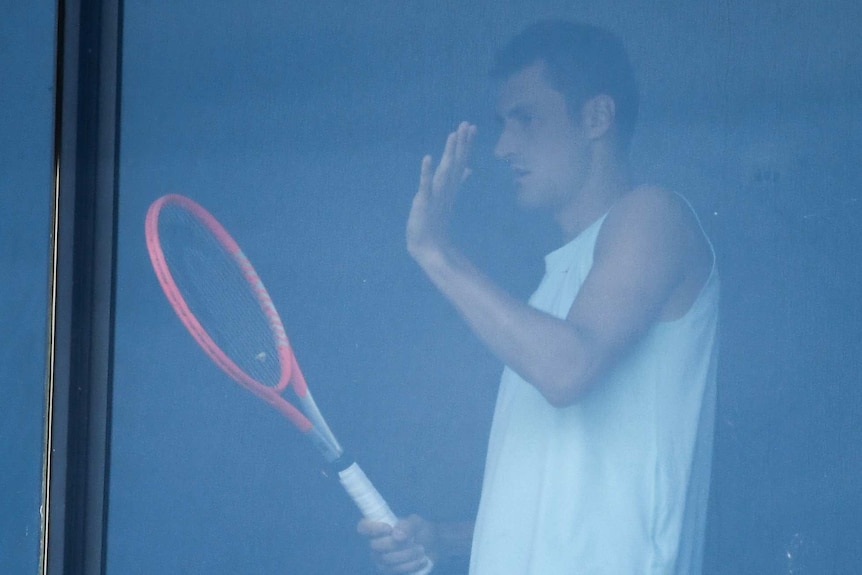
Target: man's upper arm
(640,260)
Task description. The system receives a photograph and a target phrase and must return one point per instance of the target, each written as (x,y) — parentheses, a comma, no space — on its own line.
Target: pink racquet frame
(353,479)
(290,372)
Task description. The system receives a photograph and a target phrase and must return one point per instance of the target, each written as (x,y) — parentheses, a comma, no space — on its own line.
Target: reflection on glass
(301,130)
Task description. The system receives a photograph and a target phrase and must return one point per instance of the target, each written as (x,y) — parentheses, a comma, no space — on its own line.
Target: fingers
(384,538)
(467,173)
(404,548)
(406,561)
(398,555)
(442,175)
(463,143)
(393,549)
(372,529)
(407,528)
(425,175)
(453,168)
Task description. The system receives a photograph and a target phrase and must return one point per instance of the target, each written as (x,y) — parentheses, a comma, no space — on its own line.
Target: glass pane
(301,129)
(27,44)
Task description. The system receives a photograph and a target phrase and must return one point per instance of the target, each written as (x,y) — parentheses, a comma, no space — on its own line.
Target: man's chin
(527,199)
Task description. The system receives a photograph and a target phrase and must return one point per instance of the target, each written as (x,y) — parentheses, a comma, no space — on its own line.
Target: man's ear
(598,115)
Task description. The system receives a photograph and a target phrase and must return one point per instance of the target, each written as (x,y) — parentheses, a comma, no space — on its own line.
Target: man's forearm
(548,352)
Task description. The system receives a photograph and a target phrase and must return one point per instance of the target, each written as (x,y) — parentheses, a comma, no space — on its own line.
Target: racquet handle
(367,498)
(370,502)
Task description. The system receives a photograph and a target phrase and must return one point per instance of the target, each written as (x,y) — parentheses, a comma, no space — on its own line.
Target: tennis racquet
(224,305)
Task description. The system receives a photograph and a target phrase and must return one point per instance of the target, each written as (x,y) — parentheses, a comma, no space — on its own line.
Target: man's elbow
(569,374)
(564,391)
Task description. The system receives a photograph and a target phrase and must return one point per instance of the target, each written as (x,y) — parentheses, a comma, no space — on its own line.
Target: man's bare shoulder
(652,212)
(657,228)
(652,205)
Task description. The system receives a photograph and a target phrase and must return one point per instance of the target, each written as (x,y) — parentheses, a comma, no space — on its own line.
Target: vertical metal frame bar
(82,296)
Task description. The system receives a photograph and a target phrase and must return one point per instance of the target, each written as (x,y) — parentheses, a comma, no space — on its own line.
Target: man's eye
(524,119)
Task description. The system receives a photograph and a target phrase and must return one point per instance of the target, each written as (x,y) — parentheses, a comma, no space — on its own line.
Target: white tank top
(617,483)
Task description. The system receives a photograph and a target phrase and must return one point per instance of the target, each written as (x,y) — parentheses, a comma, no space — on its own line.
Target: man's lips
(519,173)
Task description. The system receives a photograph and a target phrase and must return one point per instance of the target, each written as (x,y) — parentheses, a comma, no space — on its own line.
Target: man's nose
(503,149)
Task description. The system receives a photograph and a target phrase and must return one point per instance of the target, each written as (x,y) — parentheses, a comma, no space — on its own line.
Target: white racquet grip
(370,502)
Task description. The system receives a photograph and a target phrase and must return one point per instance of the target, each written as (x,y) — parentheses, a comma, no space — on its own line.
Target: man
(599,454)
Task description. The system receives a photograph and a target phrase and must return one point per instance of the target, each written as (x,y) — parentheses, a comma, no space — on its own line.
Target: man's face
(545,148)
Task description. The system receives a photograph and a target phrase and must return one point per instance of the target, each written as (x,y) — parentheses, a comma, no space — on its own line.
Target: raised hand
(428,224)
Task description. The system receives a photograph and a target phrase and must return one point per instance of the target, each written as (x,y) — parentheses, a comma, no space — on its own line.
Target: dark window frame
(81,310)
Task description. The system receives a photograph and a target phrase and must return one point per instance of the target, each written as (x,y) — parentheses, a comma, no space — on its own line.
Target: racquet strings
(221,298)
(218,294)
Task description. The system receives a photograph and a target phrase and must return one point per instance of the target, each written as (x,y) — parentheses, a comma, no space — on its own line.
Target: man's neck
(606,183)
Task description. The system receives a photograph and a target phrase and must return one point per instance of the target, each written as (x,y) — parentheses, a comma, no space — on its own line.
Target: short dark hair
(582,61)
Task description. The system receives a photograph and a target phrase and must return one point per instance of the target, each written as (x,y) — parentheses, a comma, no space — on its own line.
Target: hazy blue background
(301,126)
(27,45)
